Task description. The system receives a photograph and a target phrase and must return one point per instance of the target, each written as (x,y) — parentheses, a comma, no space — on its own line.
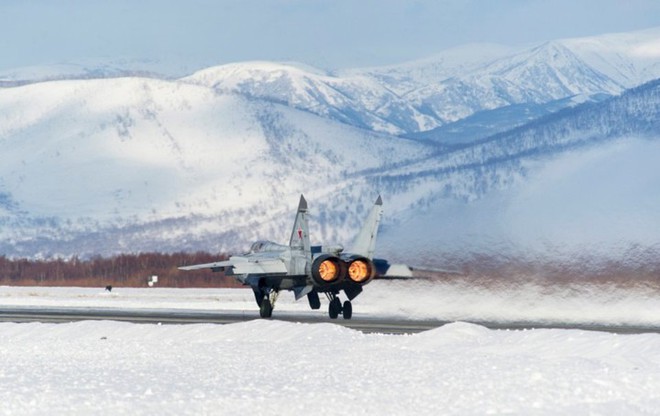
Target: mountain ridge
(421,95)
(103,166)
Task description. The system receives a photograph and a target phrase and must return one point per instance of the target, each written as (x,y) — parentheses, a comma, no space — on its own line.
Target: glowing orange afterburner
(359,271)
(328,271)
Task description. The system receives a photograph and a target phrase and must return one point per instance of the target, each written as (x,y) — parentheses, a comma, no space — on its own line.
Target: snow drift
(275,367)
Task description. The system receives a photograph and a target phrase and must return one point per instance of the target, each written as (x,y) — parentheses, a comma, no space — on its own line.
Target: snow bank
(285,368)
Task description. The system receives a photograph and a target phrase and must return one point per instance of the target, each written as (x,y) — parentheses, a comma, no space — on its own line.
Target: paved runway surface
(366,323)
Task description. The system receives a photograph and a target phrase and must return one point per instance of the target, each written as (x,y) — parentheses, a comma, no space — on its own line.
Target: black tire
(266,309)
(347,310)
(314,301)
(334,308)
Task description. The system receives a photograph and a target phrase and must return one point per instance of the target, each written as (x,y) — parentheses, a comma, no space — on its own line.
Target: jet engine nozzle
(327,270)
(360,270)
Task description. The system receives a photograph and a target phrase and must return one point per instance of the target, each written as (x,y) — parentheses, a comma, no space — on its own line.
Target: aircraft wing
(216,265)
(242,265)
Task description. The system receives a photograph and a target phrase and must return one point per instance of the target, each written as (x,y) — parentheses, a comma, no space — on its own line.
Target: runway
(363,323)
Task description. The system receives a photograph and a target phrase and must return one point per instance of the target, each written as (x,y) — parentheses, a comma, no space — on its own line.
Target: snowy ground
(274,367)
(453,300)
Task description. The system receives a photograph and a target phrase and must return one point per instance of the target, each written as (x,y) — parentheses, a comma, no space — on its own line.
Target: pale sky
(325,33)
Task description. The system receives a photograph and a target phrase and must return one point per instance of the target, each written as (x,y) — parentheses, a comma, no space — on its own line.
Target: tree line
(124,270)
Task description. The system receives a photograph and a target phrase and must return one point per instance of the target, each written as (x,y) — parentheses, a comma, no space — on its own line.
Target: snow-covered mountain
(418,96)
(359,101)
(575,185)
(103,155)
(486,123)
(94,69)
(218,158)
(139,164)
(455,84)
(461,81)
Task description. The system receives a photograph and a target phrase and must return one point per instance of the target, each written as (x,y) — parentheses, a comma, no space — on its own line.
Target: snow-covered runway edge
(273,367)
(457,299)
(276,367)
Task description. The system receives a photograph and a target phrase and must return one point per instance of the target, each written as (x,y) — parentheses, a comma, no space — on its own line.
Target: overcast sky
(324,33)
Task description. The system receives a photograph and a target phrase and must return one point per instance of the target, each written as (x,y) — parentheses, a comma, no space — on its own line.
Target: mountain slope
(132,164)
(357,101)
(629,59)
(637,112)
(579,184)
(486,123)
(97,156)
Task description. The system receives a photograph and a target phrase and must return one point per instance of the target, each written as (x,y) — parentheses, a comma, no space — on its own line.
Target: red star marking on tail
(300,233)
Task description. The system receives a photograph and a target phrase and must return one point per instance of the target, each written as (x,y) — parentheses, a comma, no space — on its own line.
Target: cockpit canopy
(264,246)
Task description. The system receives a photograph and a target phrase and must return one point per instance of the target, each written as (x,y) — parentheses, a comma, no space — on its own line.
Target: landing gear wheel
(266,308)
(334,309)
(347,310)
(314,301)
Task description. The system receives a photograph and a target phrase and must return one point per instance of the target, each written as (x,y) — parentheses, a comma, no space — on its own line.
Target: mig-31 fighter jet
(307,270)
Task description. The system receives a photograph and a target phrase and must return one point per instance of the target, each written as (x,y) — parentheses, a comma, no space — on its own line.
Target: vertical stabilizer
(300,234)
(365,242)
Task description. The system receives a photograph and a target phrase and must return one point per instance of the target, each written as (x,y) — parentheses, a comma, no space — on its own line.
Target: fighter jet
(307,270)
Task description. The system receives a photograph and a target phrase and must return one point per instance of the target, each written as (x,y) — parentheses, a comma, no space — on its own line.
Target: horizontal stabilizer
(404,272)
(301,291)
(400,271)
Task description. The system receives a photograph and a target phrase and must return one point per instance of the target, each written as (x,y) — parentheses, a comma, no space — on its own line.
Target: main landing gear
(335,307)
(267,304)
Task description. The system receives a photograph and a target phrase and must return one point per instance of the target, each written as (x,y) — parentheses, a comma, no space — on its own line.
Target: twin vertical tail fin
(300,234)
(365,242)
